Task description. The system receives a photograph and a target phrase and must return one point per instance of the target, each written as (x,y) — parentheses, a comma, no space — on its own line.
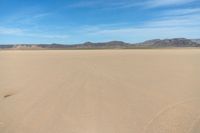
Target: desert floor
(100,91)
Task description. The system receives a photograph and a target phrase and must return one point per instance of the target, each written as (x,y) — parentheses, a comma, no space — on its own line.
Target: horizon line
(94,42)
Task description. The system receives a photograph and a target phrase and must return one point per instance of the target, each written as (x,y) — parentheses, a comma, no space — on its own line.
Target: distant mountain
(156,43)
(112,44)
(26,47)
(176,42)
(196,40)
(86,45)
(150,42)
(5,46)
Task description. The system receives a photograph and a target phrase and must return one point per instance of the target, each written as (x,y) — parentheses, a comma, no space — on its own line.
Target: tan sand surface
(100,91)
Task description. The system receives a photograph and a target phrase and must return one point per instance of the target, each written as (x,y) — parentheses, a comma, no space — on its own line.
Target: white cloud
(106,5)
(47,36)
(128,4)
(165,27)
(25,17)
(189,21)
(11,31)
(161,3)
(180,12)
(185,21)
(26,33)
(145,33)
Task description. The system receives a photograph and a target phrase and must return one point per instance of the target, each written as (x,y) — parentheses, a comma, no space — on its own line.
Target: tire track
(157,125)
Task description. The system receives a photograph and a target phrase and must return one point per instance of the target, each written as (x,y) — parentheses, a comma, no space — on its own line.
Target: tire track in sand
(181,117)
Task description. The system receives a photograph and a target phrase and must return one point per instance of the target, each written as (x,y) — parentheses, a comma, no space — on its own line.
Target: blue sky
(76,21)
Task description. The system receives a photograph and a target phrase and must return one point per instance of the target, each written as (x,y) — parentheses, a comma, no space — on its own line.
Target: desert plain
(100,91)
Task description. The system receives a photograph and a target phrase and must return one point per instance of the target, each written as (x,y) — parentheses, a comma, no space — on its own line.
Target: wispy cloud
(108,5)
(11,31)
(166,22)
(25,16)
(137,34)
(84,4)
(26,33)
(181,12)
(120,4)
(168,26)
(47,36)
(180,18)
(161,3)
(28,21)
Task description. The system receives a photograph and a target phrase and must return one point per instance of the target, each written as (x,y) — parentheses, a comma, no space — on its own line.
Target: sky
(78,21)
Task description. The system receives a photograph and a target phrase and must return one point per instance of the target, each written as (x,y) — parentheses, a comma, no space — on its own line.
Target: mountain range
(156,43)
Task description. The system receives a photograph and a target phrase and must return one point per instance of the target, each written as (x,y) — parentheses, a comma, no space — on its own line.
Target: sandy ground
(100,91)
